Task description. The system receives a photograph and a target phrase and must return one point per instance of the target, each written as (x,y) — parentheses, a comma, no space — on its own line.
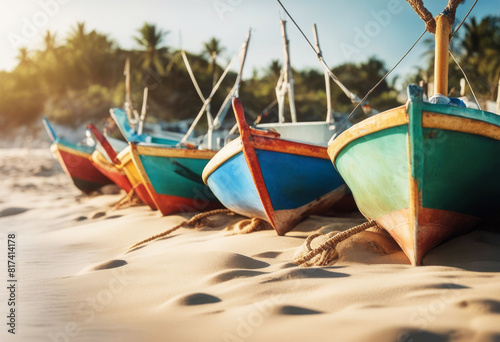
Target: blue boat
(278,180)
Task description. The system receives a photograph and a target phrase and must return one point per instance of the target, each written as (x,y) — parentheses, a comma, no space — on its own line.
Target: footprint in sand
(480,306)
(295,310)
(113,217)
(12,211)
(224,276)
(304,273)
(97,215)
(110,264)
(198,299)
(268,255)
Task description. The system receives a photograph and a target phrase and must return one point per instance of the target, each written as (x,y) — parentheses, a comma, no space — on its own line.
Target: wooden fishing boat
(424,172)
(172,174)
(110,170)
(75,160)
(280,181)
(173,177)
(124,166)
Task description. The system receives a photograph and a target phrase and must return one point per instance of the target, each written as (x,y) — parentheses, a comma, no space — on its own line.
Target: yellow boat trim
(172,152)
(56,146)
(391,118)
(459,124)
(226,153)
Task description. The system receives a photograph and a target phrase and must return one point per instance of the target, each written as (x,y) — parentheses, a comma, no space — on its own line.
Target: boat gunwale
(433,116)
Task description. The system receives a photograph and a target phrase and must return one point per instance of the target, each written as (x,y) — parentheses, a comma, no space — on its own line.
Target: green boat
(424,172)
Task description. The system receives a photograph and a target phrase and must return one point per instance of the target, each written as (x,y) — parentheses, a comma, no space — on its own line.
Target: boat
(172,174)
(425,172)
(75,160)
(277,180)
(104,159)
(123,166)
(278,172)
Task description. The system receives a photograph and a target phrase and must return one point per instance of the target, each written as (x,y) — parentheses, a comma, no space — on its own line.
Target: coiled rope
(326,252)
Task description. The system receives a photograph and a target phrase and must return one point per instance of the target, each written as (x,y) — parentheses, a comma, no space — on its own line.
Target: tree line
(77,79)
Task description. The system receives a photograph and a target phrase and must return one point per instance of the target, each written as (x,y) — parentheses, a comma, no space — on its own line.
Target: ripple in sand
(110,264)
(450,286)
(296,310)
(269,255)
(300,273)
(12,211)
(233,274)
(480,306)
(235,260)
(198,299)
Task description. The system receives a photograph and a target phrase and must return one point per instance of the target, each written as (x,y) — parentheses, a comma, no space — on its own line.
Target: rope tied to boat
(325,253)
(191,223)
(428,18)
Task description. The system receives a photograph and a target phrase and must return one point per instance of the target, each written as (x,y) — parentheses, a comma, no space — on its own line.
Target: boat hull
(126,164)
(111,171)
(76,162)
(173,177)
(280,181)
(425,172)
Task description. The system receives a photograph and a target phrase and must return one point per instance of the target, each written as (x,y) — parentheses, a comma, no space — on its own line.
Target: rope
(451,9)
(353,97)
(326,250)
(127,200)
(373,88)
(186,224)
(467,79)
(460,25)
(424,14)
(254,226)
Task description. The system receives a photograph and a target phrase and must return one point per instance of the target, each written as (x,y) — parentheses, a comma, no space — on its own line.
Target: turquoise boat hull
(425,172)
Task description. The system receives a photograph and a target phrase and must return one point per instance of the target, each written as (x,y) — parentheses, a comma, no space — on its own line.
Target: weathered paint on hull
(425,174)
(117,175)
(77,165)
(173,177)
(127,165)
(280,181)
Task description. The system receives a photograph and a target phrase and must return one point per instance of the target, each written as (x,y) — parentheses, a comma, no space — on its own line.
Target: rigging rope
(354,98)
(466,78)
(373,88)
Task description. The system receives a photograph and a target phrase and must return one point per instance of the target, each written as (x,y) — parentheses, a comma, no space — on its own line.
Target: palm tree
(150,39)
(23,57)
(481,48)
(212,48)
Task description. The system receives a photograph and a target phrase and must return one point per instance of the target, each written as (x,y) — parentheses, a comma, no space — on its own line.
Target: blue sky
(350,30)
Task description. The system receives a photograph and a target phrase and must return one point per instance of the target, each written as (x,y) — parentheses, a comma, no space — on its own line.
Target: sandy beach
(78,281)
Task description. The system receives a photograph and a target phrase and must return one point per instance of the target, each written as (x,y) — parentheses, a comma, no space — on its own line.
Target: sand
(77,280)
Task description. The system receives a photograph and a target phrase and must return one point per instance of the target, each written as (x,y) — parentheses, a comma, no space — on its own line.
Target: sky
(349,30)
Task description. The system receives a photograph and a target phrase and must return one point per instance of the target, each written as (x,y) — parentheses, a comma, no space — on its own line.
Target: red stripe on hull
(143,194)
(119,178)
(172,204)
(82,168)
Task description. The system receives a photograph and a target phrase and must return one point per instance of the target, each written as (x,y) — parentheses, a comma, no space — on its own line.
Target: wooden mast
(442,35)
